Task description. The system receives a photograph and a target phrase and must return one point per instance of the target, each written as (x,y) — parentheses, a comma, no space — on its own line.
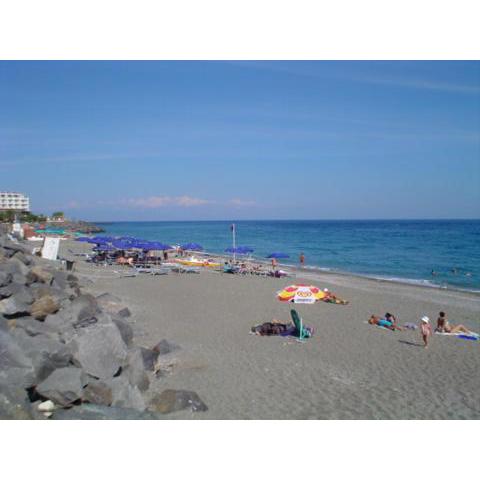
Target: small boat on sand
(198,262)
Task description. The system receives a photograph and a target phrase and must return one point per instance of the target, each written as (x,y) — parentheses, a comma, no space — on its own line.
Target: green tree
(58,214)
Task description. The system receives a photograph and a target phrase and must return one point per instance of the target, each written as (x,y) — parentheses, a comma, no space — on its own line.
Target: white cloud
(238,202)
(165,201)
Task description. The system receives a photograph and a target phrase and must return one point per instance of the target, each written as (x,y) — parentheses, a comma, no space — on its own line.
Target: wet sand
(348,370)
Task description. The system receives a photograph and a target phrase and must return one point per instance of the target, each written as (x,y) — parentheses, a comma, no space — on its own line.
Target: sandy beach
(348,370)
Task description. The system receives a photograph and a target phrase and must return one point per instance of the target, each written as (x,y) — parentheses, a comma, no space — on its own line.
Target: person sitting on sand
(443,326)
(383,322)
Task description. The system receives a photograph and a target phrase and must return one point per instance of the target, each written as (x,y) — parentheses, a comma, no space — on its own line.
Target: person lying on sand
(331,298)
(384,322)
(443,326)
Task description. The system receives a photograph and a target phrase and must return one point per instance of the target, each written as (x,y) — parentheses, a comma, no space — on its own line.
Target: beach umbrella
(83,239)
(192,247)
(278,255)
(104,248)
(307,294)
(159,246)
(122,245)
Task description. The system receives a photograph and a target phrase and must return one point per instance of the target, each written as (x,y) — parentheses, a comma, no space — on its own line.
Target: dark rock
(59,280)
(34,327)
(113,305)
(45,352)
(64,386)
(101,412)
(100,350)
(16,367)
(174,400)
(126,395)
(84,306)
(164,347)
(10,289)
(24,295)
(5,278)
(44,306)
(135,371)
(12,306)
(98,392)
(15,266)
(125,330)
(20,279)
(14,404)
(26,260)
(149,358)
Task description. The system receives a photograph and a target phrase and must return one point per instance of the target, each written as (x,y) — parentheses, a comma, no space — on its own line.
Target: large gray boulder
(125,329)
(5,278)
(13,306)
(125,395)
(60,280)
(10,290)
(113,305)
(45,352)
(63,386)
(24,295)
(16,368)
(34,327)
(14,265)
(100,350)
(174,400)
(22,257)
(83,307)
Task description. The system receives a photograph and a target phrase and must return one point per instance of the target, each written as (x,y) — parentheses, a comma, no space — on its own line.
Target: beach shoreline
(348,370)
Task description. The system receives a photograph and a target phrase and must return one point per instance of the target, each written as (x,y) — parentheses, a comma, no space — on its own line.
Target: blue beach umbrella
(83,239)
(278,255)
(192,247)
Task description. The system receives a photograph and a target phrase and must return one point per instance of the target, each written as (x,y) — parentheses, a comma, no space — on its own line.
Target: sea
(435,253)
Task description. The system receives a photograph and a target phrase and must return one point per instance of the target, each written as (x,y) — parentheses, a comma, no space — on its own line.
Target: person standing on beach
(274,264)
(426,329)
(302,260)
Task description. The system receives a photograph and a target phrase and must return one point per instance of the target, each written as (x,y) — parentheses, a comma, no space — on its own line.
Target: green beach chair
(303,332)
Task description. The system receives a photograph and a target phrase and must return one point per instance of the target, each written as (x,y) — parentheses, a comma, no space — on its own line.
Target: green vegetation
(9,216)
(58,215)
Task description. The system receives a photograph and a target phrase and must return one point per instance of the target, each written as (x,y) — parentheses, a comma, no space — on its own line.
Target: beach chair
(302,331)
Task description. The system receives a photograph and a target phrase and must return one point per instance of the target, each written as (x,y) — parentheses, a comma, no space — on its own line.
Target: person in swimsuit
(302,260)
(383,322)
(426,330)
(443,326)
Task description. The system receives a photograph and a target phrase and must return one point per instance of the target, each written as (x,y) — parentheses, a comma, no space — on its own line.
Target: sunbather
(331,298)
(383,322)
(443,326)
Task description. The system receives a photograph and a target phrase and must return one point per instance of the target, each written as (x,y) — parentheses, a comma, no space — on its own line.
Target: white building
(14,201)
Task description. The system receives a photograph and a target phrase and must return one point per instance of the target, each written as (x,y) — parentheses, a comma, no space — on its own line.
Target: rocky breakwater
(65,354)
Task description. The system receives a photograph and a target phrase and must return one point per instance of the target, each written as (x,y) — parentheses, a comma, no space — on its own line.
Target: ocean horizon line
(297,220)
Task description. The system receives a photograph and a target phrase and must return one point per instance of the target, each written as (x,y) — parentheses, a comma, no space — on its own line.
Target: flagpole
(234,242)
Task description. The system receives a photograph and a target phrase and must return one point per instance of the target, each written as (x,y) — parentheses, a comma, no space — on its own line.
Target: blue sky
(242,140)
